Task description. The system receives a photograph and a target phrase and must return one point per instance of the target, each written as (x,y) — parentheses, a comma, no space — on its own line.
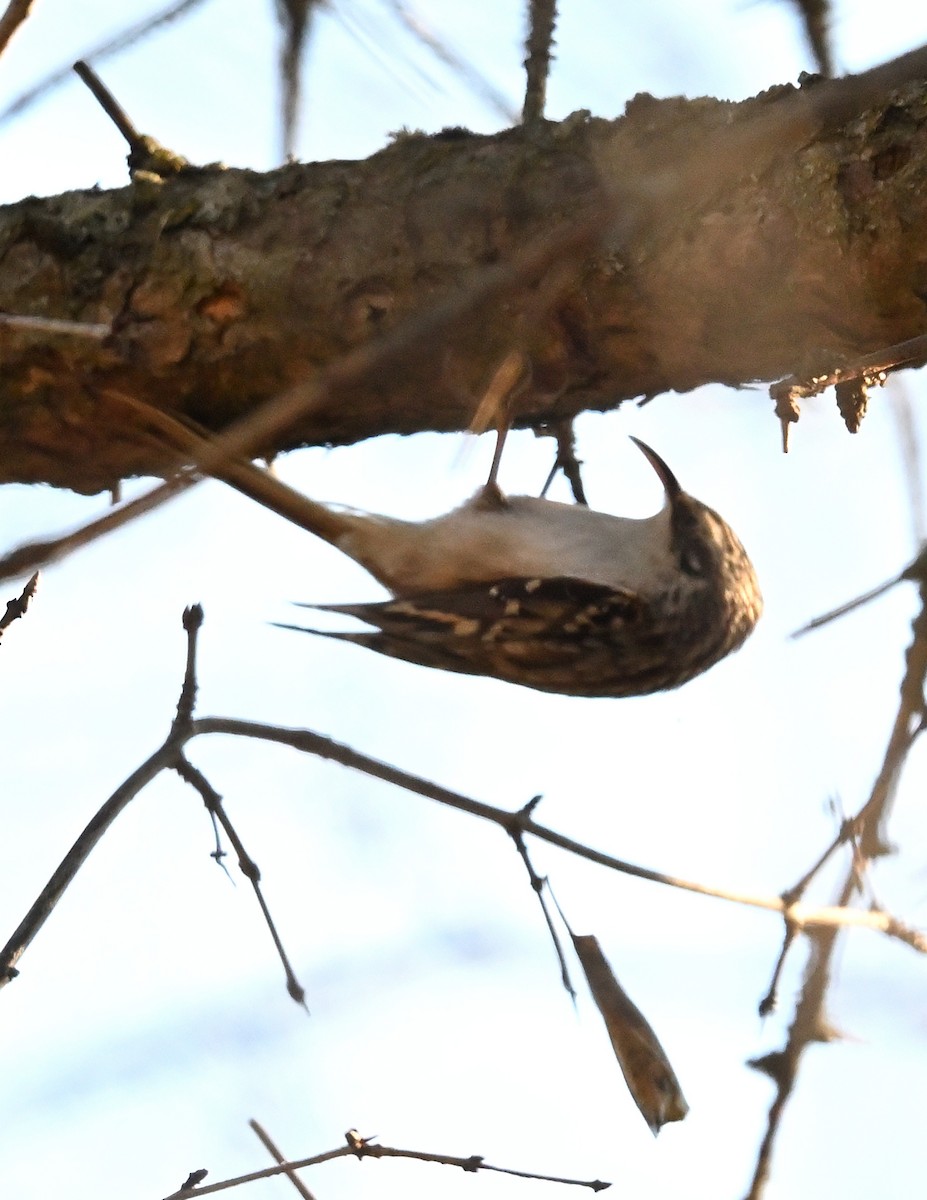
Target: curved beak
(665,475)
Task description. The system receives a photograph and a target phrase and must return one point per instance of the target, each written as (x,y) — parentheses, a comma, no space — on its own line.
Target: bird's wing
(553,634)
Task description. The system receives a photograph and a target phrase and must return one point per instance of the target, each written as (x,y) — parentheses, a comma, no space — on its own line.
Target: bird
(551,596)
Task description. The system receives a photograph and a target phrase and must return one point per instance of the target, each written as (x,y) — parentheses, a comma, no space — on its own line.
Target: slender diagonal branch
(16,13)
(804,916)
(810,1023)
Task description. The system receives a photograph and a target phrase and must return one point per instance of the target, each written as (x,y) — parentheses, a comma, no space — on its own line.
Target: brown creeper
(552,596)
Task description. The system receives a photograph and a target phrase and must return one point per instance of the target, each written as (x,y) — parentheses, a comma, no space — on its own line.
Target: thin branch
(477,82)
(248,867)
(165,756)
(121,41)
(277,1155)
(810,1023)
(16,13)
(192,624)
(145,152)
(804,916)
(768,1003)
(108,102)
(914,572)
(358,1147)
(168,755)
(538,884)
(75,858)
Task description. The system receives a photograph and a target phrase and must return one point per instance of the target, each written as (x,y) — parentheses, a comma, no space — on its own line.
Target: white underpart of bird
(487,539)
(552,596)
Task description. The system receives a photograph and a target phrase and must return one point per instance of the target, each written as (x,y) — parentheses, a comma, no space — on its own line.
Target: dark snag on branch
(17,608)
(194,1179)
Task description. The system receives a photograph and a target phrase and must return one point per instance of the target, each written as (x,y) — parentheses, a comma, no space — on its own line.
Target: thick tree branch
(738,242)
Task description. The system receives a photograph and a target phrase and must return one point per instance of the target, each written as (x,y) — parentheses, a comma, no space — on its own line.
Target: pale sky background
(150,1019)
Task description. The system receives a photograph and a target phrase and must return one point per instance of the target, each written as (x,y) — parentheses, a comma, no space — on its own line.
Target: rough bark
(735,242)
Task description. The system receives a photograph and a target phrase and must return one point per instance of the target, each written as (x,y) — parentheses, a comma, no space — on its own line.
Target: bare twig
(768,1003)
(810,1023)
(192,624)
(108,102)
(538,885)
(16,13)
(248,867)
(276,1154)
(167,756)
(358,1147)
(75,858)
(542,16)
(804,916)
(915,572)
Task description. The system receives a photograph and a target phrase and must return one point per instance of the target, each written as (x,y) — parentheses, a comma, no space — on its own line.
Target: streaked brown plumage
(552,596)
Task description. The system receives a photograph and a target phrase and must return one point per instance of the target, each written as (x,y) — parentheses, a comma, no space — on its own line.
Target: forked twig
(810,1023)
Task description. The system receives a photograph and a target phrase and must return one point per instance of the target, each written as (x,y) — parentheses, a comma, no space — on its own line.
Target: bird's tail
(244,476)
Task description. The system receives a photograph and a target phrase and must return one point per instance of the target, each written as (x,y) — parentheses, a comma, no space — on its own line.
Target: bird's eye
(692,561)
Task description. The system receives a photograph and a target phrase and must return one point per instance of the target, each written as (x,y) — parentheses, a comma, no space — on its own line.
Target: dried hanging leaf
(646,1069)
